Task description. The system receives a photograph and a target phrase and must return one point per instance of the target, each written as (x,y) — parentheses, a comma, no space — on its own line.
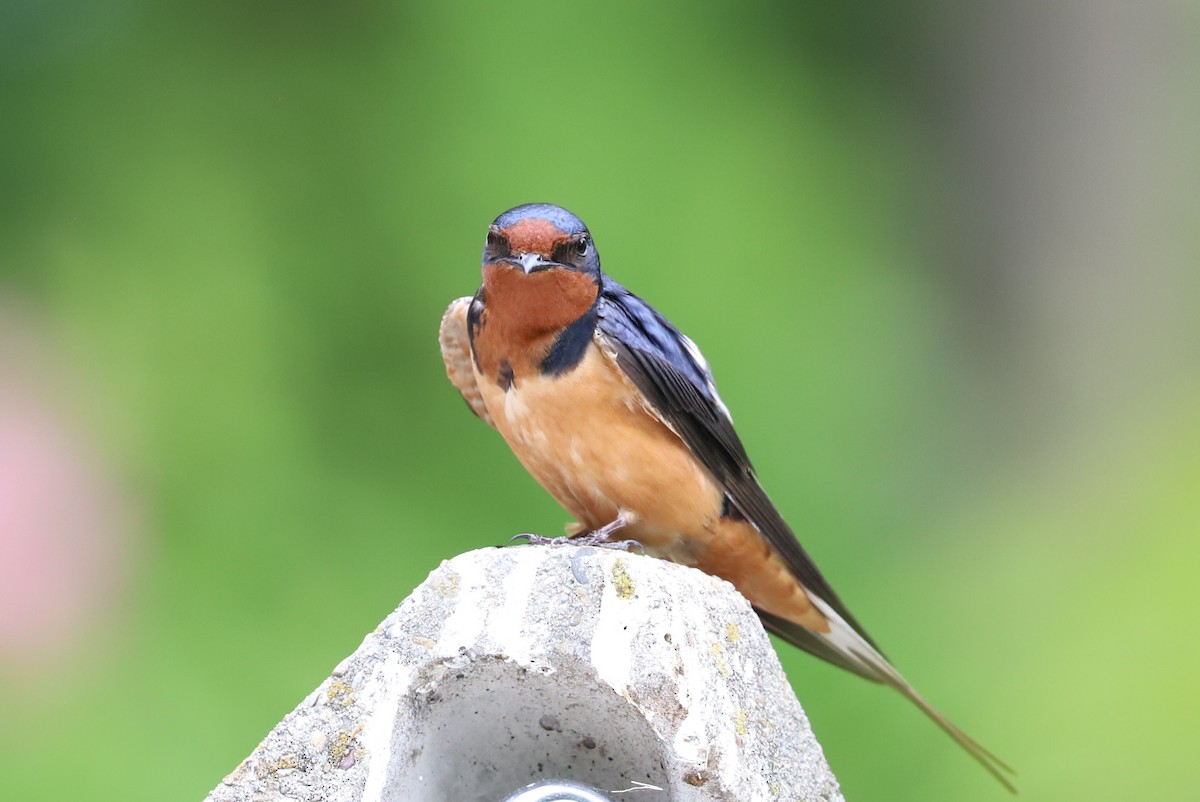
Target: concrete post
(632,676)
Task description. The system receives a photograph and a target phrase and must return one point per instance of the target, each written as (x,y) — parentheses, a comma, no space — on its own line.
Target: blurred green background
(943,260)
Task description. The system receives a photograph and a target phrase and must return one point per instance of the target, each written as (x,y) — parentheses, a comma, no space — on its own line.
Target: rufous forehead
(534,235)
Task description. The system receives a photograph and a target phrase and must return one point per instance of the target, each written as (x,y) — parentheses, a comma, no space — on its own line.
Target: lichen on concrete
(622,581)
(339,693)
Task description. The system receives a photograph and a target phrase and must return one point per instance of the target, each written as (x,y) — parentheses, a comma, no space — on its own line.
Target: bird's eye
(572,250)
(497,244)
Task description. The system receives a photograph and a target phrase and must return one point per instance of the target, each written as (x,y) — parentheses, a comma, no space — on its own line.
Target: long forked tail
(845,648)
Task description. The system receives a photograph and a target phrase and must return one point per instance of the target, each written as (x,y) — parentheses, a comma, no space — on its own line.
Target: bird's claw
(537,540)
(582,541)
(602,542)
(627,545)
(597,537)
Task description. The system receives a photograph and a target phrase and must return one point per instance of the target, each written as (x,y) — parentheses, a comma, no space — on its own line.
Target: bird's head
(540,237)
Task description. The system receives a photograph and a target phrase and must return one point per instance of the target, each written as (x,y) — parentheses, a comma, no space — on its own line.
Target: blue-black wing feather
(656,357)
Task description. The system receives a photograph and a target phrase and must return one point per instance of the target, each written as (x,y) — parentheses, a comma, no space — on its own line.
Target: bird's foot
(601,537)
(597,537)
(538,540)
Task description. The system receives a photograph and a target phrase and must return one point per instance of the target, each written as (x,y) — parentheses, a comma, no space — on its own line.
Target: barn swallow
(616,414)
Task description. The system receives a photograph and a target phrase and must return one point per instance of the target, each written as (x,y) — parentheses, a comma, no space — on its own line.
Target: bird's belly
(587,438)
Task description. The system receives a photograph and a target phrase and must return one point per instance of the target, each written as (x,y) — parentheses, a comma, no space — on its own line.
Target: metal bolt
(557,791)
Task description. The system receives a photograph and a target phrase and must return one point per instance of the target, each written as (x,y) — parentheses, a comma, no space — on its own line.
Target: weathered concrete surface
(508,666)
